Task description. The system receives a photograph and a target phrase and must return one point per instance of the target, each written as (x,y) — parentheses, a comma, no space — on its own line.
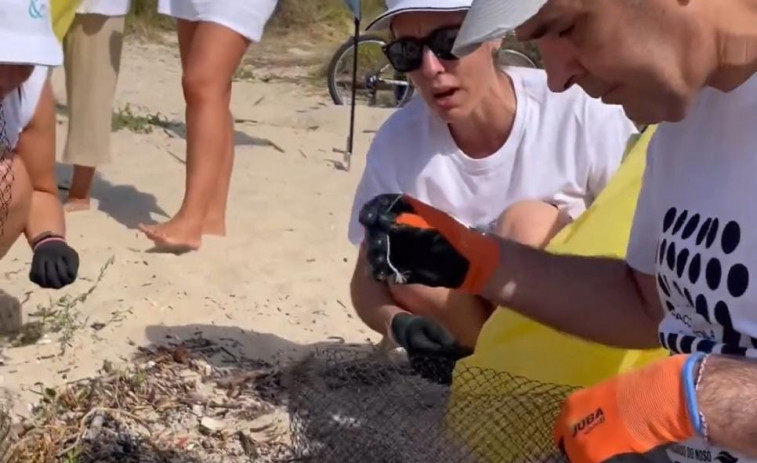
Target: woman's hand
(55,264)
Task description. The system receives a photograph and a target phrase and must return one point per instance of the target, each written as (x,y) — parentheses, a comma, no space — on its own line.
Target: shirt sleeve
(378,178)
(31,92)
(610,134)
(642,244)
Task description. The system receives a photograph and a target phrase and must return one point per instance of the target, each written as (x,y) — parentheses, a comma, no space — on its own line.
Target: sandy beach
(276,285)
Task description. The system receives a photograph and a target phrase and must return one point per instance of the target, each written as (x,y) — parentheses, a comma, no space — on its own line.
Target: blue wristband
(690,374)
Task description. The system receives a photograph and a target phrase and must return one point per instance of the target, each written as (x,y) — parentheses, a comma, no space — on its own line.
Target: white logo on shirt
(700,279)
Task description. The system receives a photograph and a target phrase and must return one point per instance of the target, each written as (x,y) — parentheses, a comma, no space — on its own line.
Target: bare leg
(532,223)
(461,314)
(20,203)
(213,56)
(215,219)
(79,191)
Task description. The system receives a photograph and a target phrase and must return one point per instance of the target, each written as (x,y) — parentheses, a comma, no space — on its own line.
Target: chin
(648,111)
(452,115)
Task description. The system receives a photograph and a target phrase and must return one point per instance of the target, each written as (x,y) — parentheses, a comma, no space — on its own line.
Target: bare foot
(76,204)
(172,237)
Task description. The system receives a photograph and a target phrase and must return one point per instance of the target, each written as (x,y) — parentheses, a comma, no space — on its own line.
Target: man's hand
(410,242)
(54,265)
(637,413)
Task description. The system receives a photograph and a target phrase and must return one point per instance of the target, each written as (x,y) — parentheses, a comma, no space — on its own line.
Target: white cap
(26,32)
(493,19)
(395,7)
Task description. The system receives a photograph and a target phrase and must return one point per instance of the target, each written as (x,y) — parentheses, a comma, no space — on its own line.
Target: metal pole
(350,137)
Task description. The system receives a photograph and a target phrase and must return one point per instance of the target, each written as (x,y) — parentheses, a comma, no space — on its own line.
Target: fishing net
(6,171)
(348,405)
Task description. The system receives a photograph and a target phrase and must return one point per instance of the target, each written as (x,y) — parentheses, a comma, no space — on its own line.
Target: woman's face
(12,76)
(453,88)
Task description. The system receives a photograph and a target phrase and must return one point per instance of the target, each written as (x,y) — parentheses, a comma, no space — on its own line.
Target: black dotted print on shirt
(693,250)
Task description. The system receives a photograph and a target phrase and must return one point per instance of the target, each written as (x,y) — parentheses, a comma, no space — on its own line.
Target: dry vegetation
(177,404)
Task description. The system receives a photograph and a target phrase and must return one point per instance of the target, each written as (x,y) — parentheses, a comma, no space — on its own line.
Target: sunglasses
(406,54)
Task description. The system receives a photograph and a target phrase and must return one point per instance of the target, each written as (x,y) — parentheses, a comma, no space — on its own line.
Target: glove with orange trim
(409,242)
(634,416)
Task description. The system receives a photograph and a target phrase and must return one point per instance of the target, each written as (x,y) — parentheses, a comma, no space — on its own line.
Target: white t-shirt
(105,7)
(694,229)
(563,149)
(18,110)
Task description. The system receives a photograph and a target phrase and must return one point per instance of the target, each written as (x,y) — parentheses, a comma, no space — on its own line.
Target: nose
(560,63)
(431,65)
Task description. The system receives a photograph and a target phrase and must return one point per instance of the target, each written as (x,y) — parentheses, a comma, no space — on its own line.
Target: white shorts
(246,17)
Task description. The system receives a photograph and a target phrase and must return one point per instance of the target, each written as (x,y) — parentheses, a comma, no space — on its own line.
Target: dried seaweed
(169,405)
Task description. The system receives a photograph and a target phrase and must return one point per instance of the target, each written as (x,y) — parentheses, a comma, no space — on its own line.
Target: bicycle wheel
(377,82)
(510,57)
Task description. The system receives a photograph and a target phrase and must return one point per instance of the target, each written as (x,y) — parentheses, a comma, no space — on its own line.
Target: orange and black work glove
(409,242)
(634,416)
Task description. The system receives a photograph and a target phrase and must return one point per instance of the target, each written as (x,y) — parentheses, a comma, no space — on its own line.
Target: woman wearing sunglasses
(491,146)
(29,202)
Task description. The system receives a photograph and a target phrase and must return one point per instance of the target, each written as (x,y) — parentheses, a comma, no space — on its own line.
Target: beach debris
(192,401)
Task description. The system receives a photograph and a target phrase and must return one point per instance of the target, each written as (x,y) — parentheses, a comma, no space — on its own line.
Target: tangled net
(352,406)
(6,171)
(342,404)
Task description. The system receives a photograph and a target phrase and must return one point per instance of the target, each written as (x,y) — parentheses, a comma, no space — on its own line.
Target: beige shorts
(92,52)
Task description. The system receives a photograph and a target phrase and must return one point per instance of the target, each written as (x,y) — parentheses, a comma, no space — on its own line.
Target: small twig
(276,147)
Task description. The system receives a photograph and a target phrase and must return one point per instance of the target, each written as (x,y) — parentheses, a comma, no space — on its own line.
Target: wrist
(483,252)
(692,372)
(389,320)
(500,286)
(45,237)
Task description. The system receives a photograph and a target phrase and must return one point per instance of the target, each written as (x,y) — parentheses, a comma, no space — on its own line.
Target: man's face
(634,53)
(452,88)
(12,76)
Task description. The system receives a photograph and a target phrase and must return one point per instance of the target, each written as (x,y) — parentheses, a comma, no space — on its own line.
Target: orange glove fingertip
(412,220)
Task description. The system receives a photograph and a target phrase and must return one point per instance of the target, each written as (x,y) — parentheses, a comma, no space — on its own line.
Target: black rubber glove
(54,265)
(431,350)
(410,242)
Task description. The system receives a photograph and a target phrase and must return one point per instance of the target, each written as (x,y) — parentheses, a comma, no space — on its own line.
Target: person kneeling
(489,145)
(29,202)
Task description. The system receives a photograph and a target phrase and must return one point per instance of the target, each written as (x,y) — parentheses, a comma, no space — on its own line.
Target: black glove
(54,265)
(409,242)
(431,350)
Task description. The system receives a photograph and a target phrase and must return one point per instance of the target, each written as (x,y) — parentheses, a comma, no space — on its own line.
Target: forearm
(727,398)
(45,215)
(36,148)
(594,298)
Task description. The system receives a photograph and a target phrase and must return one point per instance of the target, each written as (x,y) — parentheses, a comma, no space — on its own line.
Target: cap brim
(37,51)
(383,21)
(492,19)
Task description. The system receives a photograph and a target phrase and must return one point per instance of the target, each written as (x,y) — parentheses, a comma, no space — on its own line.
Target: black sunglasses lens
(404,55)
(442,41)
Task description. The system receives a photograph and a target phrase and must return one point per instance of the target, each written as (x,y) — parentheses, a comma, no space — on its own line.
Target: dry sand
(275,286)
